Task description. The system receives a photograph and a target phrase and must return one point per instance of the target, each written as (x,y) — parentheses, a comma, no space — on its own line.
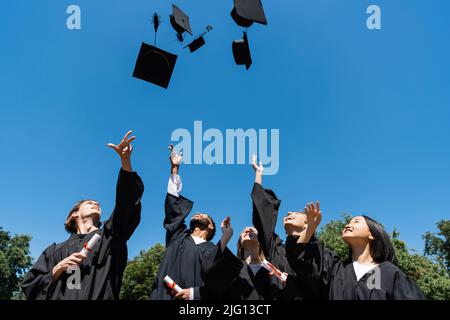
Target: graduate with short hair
(186,248)
(101,265)
(264,216)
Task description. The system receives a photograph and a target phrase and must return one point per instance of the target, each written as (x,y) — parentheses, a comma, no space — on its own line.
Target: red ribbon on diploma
(85,246)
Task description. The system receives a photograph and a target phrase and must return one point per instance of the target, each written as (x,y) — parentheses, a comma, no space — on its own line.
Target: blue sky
(363,115)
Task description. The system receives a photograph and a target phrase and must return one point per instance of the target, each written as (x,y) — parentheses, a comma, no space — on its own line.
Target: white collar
(197,240)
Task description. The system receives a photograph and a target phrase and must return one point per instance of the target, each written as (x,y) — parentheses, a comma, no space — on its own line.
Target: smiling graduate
(100,267)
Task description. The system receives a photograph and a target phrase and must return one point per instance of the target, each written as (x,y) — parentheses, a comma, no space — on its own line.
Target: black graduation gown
(182,260)
(265,214)
(337,279)
(229,278)
(101,272)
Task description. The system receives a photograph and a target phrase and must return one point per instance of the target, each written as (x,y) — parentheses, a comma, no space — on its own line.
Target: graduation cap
(241,52)
(180,22)
(245,12)
(154,65)
(199,41)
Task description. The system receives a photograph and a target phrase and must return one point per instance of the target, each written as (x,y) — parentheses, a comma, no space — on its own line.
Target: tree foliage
(437,246)
(15,259)
(140,274)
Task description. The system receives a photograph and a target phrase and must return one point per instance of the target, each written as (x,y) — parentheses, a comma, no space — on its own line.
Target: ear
(371,237)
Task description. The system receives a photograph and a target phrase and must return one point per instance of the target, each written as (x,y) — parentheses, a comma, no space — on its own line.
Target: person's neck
(200,233)
(361,254)
(86,226)
(294,232)
(251,255)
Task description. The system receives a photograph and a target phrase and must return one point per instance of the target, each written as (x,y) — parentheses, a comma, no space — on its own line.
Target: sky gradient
(363,115)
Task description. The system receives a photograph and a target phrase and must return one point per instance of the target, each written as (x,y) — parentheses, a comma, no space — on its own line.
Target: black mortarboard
(245,12)
(154,65)
(241,51)
(196,44)
(180,22)
(199,41)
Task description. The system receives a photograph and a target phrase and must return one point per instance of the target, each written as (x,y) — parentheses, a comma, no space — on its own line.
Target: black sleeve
(313,264)
(176,210)
(220,268)
(127,212)
(38,282)
(264,216)
(405,288)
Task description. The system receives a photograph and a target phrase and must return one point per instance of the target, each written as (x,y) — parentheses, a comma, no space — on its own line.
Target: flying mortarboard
(245,12)
(180,22)
(241,52)
(199,41)
(154,65)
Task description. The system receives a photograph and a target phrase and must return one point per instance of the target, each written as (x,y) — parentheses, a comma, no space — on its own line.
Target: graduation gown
(337,279)
(182,260)
(101,272)
(229,278)
(265,214)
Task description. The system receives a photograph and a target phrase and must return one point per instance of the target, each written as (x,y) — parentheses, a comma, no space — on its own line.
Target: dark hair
(202,224)
(381,248)
(71,223)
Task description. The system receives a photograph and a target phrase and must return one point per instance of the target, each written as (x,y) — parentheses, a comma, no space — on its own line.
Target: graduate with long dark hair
(370,272)
(63,272)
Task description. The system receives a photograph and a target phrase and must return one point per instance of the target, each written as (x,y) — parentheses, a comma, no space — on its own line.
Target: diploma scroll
(270,267)
(88,246)
(171,284)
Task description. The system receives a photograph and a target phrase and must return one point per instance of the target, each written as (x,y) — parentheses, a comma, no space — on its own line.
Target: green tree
(140,274)
(432,278)
(14,261)
(437,246)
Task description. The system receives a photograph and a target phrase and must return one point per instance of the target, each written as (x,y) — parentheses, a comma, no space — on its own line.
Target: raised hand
(258,170)
(314,217)
(175,159)
(227,232)
(313,214)
(124,150)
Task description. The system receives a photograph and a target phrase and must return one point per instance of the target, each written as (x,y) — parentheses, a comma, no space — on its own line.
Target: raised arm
(265,213)
(127,212)
(309,258)
(220,267)
(176,207)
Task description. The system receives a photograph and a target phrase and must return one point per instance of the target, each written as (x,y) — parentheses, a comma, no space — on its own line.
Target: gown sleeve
(313,264)
(38,282)
(127,211)
(264,216)
(176,211)
(221,268)
(405,288)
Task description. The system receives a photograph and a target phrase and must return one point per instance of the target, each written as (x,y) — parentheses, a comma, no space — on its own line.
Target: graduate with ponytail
(370,272)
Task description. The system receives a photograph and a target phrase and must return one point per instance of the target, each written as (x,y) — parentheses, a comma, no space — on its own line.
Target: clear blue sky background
(363,115)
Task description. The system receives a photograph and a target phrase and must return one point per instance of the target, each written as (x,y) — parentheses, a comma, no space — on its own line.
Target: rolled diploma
(171,284)
(88,247)
(270,267)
